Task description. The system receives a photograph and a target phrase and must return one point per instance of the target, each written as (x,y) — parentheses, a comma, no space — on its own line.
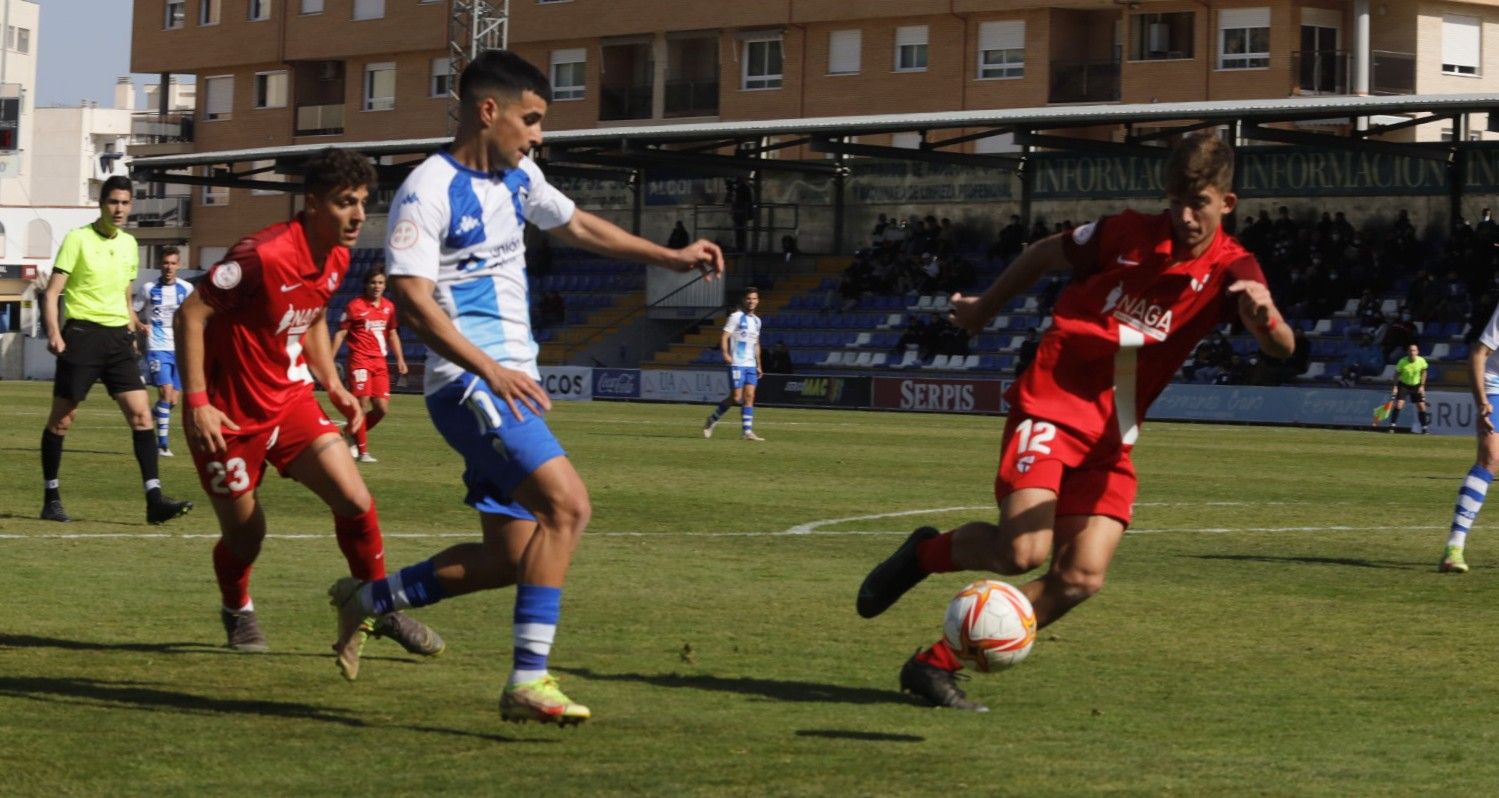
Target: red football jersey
(265,294)
(1124,325)
(367,325)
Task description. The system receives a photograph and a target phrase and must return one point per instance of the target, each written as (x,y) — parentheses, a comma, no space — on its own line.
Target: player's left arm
(1257,309)
(135,320)
(395,346)
(317,349)
(596,234)
(759,364)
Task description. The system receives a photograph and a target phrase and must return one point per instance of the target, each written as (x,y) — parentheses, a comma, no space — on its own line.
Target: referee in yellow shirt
(92,274)
(1410,379)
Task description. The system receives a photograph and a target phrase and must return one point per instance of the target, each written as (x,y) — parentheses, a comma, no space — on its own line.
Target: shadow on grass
(862,736)
(775,689)
(70,450)
(138,695)
(1352,562)
(184,647)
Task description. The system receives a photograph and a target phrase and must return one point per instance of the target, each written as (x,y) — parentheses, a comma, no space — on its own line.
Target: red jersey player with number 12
(1145,290)
(249,341)
(369,323)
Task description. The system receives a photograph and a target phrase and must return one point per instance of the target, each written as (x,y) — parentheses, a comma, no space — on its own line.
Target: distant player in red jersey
(369,324)
(1144,291)
(249,342)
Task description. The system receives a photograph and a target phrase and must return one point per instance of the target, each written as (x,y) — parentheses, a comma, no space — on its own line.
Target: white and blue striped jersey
(162,300)
(744,337)
(462,229)
(1490,339)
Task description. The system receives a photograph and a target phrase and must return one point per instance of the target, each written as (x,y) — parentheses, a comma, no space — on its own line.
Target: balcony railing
(1391,72)
(161,212)
(625,102)
(692,98)
(1320,71)
(1084,82)
(320,120)
(154,128)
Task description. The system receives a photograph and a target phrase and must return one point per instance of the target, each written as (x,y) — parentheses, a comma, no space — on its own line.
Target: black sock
(1394,416)
(1425,419)
(51,464)
(145,455)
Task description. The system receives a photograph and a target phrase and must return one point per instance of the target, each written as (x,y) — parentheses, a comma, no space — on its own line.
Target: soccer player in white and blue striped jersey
(159,300)
(1483,365)
(456,259)
(740,345)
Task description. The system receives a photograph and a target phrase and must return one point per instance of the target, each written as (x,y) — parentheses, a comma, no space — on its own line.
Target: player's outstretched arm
(202,422)
(1477,361)
(420,311)
(318,352)
(1259,314)
(974,313)
(599,235)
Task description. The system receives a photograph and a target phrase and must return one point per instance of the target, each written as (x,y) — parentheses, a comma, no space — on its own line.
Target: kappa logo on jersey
(467,224)
(410,200)
(297,319)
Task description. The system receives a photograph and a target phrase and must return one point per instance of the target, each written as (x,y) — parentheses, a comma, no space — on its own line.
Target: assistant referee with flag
(92,274)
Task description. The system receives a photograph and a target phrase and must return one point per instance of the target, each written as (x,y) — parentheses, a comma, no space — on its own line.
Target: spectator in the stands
(1011,241)
(1275,371)
(1399,334)
(779,359)
(1453,306)
(1285,226)
(1423,295)
(679,236)
(1039,230)
(789,249)
(1364,360)
(878,234)
(915,333)
(1370,312)
(1027,353)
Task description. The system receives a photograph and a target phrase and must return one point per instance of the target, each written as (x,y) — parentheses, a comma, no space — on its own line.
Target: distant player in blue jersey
(158,301)
(740,344)
(456,259)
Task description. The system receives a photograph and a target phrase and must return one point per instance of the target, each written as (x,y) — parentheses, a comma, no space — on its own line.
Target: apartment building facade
(278,72)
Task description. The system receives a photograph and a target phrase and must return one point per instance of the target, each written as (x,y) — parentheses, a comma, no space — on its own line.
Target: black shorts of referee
(96,353)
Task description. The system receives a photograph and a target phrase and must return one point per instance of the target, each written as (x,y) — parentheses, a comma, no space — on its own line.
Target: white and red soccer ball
(990,625)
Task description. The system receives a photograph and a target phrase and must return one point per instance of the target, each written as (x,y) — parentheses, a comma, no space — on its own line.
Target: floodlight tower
(475,26)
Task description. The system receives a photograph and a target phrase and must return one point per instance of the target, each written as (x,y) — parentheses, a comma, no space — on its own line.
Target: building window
(843,52)
(1002,49)
(568,73)
(762,63)
(369,9)
(910,48)
(219,102)
(1461,45)
(906,141)
(215,195)
(270,89)
(379,87)
(260,9)
(1244,38)
(208,11)
(176,15)
(265,171)
(442,76)
(23,40)
(1159,37)
(312,6)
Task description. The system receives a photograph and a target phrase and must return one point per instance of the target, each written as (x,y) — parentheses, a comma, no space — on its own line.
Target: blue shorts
(498,451)
(1494,416)
(161,368)
(740,376)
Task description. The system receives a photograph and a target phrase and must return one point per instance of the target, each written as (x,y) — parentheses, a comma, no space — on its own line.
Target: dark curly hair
(334,168)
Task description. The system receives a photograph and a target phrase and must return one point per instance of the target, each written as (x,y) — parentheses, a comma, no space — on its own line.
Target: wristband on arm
(195,400)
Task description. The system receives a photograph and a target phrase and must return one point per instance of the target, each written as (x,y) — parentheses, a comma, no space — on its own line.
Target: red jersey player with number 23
(249,341)
(1144,291)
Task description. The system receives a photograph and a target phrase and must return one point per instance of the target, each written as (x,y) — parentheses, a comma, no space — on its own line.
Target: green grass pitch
(1273,625)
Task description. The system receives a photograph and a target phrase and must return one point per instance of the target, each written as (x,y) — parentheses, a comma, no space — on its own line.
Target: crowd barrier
(1452,411)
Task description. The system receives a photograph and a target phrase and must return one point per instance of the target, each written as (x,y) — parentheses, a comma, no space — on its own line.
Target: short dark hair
(334,168)
(749,289)
(370,275)
(1197,162)
(116,183)
(495,72)
(165,251)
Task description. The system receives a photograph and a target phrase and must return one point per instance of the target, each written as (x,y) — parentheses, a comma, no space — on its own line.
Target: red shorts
(1089,479)
(239,470)
(369,379)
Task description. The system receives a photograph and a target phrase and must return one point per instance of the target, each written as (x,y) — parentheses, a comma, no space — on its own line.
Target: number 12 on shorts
(1032,436)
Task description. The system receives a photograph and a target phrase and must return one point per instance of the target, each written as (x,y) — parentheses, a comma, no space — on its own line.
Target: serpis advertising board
(939,396)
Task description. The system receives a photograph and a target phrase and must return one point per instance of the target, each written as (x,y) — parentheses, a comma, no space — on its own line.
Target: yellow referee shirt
(1409,371)
(99,272)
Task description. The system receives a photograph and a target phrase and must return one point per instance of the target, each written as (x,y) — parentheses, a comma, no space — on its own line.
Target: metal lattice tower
(475,26)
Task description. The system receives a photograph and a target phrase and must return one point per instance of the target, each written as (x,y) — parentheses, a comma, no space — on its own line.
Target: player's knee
(1023,554)
(569,516)
(60,425)
(354,502)
(1076,585)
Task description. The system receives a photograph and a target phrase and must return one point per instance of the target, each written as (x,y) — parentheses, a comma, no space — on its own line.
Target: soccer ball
(990,625)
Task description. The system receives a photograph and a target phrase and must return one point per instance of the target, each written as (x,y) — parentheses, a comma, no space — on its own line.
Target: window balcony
(1084,82)
(691,98)
(624,102)
(320,120)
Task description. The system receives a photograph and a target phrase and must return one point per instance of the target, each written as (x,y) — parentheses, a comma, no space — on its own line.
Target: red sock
(371,419)
(940,656)
(935,554)
(233,576)
(360,541)
(361,436)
